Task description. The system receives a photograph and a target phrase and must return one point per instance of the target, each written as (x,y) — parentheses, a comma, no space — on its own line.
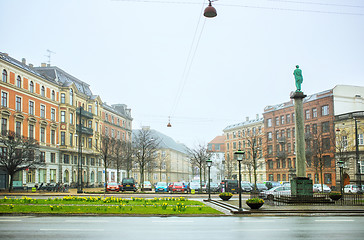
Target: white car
(276,192)
(147,186)
(351,188)
(318,188)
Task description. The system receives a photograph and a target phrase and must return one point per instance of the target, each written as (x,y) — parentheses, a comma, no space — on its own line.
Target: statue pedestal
(301,186)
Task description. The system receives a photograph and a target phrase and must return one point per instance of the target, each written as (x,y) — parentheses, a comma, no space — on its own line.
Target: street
(28,227)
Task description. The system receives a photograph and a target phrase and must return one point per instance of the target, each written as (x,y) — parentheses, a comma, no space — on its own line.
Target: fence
(317,199)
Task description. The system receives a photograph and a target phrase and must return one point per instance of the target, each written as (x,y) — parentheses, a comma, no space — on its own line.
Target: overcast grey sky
(135,52)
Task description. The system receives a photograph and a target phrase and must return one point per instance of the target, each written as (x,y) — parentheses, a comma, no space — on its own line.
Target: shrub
(226,194)
(255,200)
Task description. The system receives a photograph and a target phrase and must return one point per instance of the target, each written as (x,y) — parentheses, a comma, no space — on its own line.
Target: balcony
(84,113)
(84,130)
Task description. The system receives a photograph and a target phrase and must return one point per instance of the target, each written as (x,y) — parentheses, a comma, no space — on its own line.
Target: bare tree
(254,146)
(161,163)
(229,166)
(127,152)
(106,151)
(198,157)
(146,146)
(118,159)
(18,153)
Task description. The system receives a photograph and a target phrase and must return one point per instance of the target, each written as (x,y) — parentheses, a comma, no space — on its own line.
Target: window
(71,139)
(277,121)
(289,163)
(289,148)
(53,114)
(288,133)
(327,161)
(31,131)
(293,118)
(327,178)
(4,99)
(42,111)
(270,149)
(307,129)
(96,125)
(53,136)
(314,128)
(277,134)
(4,126)
(294,132)
(326,143)
(106,117)
(360,139)
(96,108)
(53,95)
(227,146)
(325,127)
(90,123)
(344,141)
(270,164)
(282,120)
(90,108)
(42,134)
(66,159)
(53,157)
(42,91)
(42,156)
(314,112)
(307,114)
(63,116)
(18,128)
(63,138)
(5,76)
(31,86)
(288,118)
(18,82)
(63,98)
(71,118)
(269,136)
(18,104)
(71,96)
(31,107)
(90,143)
(234,145)
(325,110)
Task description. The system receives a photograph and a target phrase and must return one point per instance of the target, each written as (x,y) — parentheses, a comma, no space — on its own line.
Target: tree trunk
(105,185)
(11,182)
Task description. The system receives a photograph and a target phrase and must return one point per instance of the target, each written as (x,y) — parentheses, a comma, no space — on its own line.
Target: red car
(112,187)
(178,187)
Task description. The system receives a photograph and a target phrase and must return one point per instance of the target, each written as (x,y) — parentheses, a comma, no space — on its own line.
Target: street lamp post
(209,163)
(357,153)
(79,164)
(340,164)
(239,155)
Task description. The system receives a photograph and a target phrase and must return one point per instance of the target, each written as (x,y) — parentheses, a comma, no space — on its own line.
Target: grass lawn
(109,205)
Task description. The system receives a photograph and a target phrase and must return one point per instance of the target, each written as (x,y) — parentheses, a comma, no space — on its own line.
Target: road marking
(87,221)
(172,221)
(257,221)
(335,220)
(71,229)
(263,230)
(10,220)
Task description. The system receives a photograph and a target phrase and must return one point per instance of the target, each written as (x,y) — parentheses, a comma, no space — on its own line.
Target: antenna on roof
(49,56)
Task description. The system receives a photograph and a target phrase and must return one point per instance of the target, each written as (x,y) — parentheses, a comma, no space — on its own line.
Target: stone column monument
(300,185)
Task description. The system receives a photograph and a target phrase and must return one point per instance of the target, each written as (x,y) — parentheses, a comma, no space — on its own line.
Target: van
(128,184)
(230,185)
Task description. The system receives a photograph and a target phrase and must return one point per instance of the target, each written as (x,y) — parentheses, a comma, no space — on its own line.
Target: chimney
(257,116)
(24,61)
(247,118)
(31,65)
(43,64)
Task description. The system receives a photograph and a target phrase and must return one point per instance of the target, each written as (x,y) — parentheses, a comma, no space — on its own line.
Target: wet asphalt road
(175,228)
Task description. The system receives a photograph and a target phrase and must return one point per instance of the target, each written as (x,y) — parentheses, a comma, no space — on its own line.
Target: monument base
(301,186)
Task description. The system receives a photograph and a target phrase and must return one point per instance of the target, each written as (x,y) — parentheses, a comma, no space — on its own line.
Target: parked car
(214,187)
(272,184)
(147,186)
(194,186)
(260,187)
(229,185)
(351,188)
(128,184)
(276,192)
(161,187)
(246,187)
(317,188)
(178,187)
(112,187)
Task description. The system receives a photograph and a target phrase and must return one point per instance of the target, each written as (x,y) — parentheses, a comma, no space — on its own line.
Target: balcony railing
(84,113)
(85,130)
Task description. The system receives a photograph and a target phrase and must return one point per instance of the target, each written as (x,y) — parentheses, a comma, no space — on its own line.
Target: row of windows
(309,113)
(31,85)
(283,177)
(73,138)
(245,133)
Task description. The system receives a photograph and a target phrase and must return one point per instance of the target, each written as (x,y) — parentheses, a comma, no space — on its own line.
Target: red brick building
(279,140)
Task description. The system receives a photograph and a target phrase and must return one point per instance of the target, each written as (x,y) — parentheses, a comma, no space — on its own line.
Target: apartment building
(217,149)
